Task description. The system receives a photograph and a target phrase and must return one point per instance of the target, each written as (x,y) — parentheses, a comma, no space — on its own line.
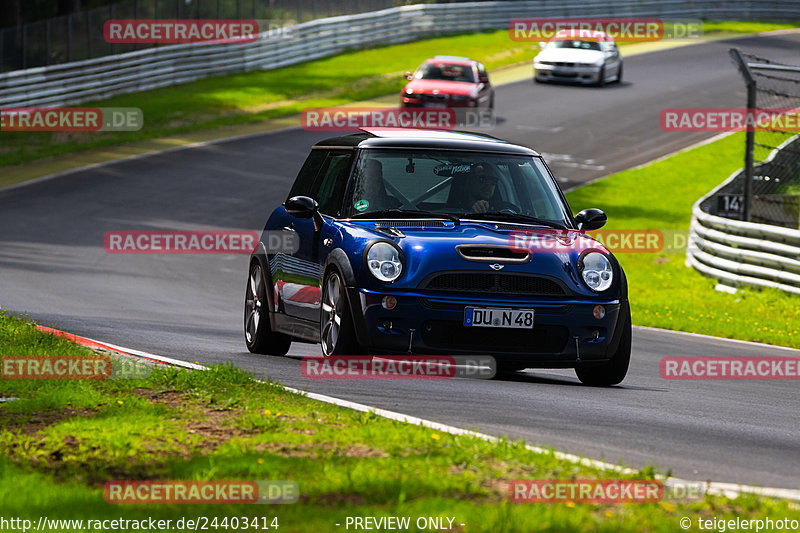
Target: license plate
(436,105)
(487,317)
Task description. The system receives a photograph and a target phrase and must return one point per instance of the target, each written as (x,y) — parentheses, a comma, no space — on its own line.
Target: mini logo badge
(496,266)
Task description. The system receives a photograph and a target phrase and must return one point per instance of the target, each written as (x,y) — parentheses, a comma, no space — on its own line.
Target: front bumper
(440,101)
(565,333)
(586,75)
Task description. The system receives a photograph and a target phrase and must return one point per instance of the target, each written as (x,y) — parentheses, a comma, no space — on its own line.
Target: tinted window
(329,186)
(305,179)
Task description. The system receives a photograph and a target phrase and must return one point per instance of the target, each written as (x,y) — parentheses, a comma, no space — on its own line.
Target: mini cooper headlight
(595,269)
(384,261)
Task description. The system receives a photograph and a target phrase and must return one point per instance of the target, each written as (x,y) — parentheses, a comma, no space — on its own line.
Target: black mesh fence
(774,165)
(80,35)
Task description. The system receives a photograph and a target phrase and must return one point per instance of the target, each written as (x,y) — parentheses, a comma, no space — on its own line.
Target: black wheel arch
(260,256)
(338,259)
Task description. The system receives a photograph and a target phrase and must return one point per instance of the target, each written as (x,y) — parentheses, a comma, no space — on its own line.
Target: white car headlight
(384,261)
(595,269)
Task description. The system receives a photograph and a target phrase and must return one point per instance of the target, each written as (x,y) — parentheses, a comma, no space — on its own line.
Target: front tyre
(258,334)
(336,333)
(601,78)
(615,370)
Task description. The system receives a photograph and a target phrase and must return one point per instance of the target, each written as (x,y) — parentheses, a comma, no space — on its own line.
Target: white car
(580,56)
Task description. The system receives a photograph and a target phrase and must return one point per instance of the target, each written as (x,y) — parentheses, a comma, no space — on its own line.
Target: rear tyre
(336,333)
(258,334)
(615,370)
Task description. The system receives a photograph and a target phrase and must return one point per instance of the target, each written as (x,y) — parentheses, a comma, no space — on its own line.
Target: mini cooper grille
(495,283)
(410,224)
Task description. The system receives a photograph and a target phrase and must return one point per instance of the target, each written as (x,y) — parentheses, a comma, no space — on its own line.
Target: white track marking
(730,490)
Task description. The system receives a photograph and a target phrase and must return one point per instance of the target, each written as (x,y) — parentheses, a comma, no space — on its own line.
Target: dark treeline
(16,12)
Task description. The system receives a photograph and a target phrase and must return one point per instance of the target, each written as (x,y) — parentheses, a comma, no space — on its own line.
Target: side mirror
(590,219)
(408,75)
(304,207)
(483,79)
(542,45)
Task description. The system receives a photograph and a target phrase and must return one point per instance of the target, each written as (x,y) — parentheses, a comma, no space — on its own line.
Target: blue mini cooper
(431,242)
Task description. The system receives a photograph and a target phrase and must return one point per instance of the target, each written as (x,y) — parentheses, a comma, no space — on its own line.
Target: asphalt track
(54,268)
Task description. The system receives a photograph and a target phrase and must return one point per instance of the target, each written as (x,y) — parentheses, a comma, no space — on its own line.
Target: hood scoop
(410,223)
(491,253)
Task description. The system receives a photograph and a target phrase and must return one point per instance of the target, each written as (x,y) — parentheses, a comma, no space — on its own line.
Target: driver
(481,188)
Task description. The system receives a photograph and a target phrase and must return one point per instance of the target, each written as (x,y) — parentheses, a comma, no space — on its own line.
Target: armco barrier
(743,253)
(100,78)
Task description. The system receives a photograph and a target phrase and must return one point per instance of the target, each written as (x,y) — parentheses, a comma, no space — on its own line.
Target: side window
(328,188)
(305,179)
(482,71)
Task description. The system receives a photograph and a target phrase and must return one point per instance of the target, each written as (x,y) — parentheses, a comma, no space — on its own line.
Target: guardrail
(100,78)
(743,253)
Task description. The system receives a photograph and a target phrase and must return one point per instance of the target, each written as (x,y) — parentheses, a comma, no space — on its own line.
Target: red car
(446,81)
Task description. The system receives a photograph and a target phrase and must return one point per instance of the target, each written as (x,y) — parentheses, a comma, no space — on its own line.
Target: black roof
(426,139)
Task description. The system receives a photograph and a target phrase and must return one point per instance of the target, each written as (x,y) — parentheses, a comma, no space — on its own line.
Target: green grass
(63,439)
(710,27)
(664,292)
(256,96)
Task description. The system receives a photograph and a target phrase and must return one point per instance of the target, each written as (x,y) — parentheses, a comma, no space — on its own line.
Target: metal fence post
(750,82)
(88,34)
(24,46)
(69,38)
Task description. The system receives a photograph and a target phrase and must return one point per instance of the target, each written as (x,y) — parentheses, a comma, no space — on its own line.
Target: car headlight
(595,269)
(384,261)
(459,98)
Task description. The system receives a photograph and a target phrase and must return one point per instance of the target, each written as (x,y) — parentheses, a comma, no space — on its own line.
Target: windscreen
(446,71)
(455,183)
(580,45)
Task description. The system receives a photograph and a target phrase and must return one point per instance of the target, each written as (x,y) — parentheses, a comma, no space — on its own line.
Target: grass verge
(256,96)
(664,292)
(63,439)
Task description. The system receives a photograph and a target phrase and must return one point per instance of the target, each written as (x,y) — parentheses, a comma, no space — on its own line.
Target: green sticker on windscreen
(361,205)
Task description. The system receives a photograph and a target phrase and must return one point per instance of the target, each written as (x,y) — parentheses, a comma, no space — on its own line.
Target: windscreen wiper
(407,213)
(515,217)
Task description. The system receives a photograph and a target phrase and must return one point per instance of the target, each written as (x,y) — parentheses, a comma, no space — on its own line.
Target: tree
(10,13)
(65,7)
